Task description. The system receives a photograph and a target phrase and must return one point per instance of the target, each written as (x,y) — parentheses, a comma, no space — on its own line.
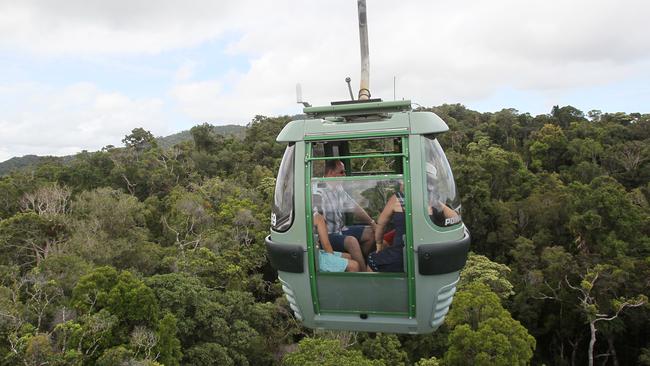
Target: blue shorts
(331,262)
(337,240)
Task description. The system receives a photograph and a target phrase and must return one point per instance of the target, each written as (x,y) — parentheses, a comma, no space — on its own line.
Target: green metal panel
(311,246)
(356,133)
(410,265)
(383,313)
(392,124)
(356,178)
(430,289)
(365,156)
(371,323)
(354,109)
(423,123)
(362,294)
(363,274)
(417,123)
(293,131)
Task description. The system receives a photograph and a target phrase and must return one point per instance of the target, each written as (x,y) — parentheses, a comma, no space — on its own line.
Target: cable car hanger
(381,150)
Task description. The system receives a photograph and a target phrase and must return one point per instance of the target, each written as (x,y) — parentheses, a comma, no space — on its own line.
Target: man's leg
(365,236)
(352,266)
(367,241)
(352,247)
(337,241)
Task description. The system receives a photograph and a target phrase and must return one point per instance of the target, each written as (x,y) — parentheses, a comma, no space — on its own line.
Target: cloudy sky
(81,74)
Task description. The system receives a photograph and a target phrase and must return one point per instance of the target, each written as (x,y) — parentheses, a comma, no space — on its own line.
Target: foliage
(385,347)
(484,333)
(326,352)
(153,253)
(428,362)
(480,269)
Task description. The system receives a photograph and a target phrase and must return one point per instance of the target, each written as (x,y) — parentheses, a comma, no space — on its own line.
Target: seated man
(328,259)
(331,201)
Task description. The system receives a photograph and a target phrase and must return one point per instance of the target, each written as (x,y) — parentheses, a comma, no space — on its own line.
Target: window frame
(430,139)
(292,184)
(409,272)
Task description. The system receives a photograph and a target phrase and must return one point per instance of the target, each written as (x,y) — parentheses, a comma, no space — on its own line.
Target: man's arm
(358,211)
(323,236)
(383,219)
(362,215)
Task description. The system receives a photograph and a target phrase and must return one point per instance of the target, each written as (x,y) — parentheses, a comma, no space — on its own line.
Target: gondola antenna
(347,80)
(299,96)
(364,88)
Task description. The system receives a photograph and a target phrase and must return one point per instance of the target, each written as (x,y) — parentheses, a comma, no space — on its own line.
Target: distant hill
(17,163)
(227,130)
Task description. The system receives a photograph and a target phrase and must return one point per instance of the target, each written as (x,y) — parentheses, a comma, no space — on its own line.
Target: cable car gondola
(387,149)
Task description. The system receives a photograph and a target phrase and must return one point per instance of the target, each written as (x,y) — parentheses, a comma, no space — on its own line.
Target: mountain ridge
(26,161)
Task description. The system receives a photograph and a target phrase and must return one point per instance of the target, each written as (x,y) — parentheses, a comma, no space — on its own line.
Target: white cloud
(95,26)
(439,52)
(38,119)
(185,71)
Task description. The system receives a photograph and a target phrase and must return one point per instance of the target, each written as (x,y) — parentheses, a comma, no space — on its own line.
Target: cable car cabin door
(348,185)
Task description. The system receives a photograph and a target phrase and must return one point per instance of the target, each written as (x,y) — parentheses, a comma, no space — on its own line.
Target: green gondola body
(385,146)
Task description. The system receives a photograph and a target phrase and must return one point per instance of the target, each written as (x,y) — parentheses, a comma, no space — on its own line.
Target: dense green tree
(206,354)
(242,328)
(168,346)
(325,352)
(65,270)
(49,169)
(26,239)
(484,333)
(548,148)
(87,171)
(205,138)
(492,179)
(433,361)
(86,337)
(604,220)
(629,162)
(132,301)
(504,129)
(115,356)
(39,350)
(479,269)
(10,193)
(596,301)
(139,138)
(110,229)
(120,295)
(567,114)
(384,347)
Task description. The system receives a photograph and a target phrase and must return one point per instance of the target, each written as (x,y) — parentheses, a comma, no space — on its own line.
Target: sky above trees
(80,74)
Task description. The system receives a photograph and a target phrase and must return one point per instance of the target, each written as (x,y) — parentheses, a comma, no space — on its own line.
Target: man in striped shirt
(332,202)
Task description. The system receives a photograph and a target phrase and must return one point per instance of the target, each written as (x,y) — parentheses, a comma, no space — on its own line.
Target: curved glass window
(282,211)
(444,203)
